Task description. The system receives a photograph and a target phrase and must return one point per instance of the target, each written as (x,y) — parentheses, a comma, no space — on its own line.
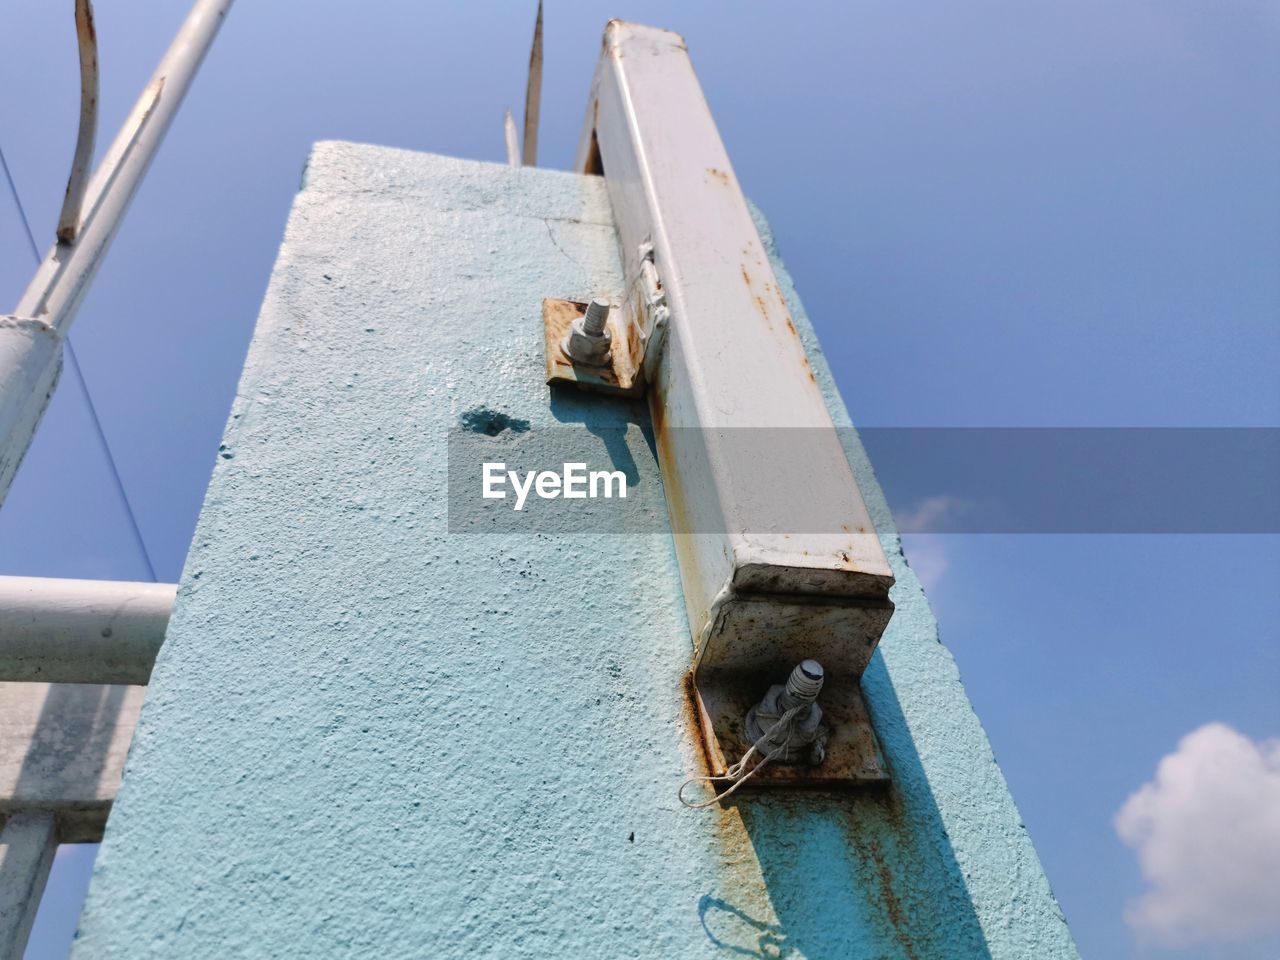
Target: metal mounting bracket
(779,558)
(620,377)
(721,702)
(638,336)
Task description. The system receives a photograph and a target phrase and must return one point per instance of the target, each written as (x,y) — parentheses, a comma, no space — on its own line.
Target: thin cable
(17,202)
(84,388)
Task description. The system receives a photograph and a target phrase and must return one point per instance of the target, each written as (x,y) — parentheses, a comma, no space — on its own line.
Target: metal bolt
(804,739)
(597,316)
(804,684)
(588,341)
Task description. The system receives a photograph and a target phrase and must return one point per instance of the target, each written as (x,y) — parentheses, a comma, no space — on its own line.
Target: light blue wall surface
(366,737)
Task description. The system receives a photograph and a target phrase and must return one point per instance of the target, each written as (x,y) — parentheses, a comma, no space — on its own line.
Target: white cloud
(929,514)
(1207,833)
(926,550)
(927,556)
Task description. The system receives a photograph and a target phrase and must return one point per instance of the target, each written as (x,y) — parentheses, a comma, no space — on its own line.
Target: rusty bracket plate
(721,701)
(622,378)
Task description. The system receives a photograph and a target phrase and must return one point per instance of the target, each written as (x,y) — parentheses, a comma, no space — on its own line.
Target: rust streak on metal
(759,300)
(692,716)
(671,487)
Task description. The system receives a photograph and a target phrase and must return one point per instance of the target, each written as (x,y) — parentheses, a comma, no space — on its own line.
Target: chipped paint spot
(491,422)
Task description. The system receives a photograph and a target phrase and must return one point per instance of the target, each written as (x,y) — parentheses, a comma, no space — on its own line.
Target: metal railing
(73,653)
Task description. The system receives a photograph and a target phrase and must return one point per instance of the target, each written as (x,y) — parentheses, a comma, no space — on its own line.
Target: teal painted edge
(914,692)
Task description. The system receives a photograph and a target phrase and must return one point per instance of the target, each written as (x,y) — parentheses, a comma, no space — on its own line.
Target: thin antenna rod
(533,95)
(82,162)
(513,143)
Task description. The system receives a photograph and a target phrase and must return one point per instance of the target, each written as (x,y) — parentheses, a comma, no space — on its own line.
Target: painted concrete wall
(365,737)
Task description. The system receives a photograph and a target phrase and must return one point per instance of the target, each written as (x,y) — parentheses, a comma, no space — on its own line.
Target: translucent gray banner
(937,480)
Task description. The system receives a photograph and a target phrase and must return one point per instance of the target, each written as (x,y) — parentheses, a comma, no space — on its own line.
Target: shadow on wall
(603,416)
(720,919)
(863,874)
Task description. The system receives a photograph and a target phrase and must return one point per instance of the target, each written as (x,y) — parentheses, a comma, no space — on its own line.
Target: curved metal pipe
(82,162)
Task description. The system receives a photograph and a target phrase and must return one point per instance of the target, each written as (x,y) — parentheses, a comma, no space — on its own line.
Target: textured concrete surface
(366,737)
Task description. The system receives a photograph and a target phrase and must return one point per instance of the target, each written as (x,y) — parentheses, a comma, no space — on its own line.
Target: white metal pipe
(28,842)
(81,631)
(28,367)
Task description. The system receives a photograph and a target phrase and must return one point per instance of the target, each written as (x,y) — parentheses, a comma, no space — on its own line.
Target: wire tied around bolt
(786,702)
(738,774)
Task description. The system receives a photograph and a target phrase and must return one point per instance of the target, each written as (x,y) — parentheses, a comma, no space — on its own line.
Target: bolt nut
(804,740)
(588,340)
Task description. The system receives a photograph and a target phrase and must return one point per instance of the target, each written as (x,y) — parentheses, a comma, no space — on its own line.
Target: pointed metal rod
(31,339)
(513,144)
(533,95)
(82,161)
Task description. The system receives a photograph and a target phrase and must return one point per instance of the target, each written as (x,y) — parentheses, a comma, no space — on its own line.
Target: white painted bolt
(597,315)
(801,739)
(587,340)
(805,683)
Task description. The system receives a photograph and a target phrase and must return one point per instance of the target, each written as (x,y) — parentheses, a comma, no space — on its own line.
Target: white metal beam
(778,556)
(62,751)
(28,842)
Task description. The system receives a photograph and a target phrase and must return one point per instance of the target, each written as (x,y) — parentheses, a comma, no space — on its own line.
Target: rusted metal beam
(779,558)
(533,95)
(86,136)
(767,513)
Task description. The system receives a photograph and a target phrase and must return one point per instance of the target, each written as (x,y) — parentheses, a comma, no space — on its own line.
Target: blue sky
(997,213)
